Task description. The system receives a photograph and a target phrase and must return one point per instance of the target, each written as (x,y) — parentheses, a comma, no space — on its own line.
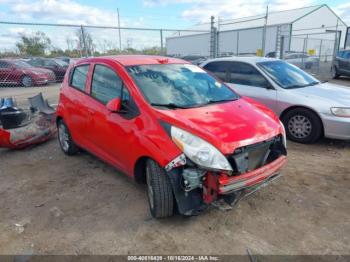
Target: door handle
(90,112)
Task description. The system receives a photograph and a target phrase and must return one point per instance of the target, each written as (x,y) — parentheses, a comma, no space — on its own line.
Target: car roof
(128,60)
(247,59)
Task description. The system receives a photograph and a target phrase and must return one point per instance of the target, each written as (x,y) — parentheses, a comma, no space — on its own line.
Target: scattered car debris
(20,128)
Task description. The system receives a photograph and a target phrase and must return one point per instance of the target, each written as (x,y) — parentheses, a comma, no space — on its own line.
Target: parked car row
(31,72)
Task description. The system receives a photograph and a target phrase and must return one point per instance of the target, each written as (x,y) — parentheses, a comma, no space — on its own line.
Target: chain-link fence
(33,54)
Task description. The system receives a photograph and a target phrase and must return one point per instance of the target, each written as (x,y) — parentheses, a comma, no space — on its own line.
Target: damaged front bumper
(231,184)
(254,167)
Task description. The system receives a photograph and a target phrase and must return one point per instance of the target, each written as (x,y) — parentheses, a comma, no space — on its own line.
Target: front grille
(251,157)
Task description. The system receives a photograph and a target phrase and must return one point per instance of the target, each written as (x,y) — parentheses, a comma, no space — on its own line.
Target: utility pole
(120,39)
(264,32)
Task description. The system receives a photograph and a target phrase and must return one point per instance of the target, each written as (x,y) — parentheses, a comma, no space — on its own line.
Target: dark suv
(341,64)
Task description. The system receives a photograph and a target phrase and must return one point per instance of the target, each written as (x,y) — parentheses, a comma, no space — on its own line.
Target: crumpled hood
(333,94)
(227,126)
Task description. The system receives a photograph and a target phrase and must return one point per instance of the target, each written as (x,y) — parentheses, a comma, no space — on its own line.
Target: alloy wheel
(63,137)
(300,126)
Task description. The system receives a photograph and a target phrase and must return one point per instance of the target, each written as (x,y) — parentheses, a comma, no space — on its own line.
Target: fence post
(264,32)
(83,40)
(281,54)
(161,42)
(212,38)
(237,47)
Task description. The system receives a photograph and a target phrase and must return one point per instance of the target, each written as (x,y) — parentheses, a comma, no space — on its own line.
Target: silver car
(308,108)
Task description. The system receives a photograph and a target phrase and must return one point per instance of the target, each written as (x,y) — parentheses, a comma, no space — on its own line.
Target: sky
(178,14)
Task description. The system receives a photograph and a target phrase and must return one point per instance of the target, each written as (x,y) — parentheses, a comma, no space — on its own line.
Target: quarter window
(106,85)
(79,77)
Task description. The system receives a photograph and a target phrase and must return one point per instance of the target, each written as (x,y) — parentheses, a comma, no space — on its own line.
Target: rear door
(75,100)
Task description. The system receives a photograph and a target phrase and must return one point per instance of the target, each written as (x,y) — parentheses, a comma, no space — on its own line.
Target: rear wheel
(335,73)
(65,139)
(160,195)
(302,125)
(26,81)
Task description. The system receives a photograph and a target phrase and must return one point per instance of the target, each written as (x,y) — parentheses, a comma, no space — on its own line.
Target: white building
(309,29)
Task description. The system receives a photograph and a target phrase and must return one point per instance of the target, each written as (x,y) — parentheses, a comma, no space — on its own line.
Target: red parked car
(17,72)
(171,125)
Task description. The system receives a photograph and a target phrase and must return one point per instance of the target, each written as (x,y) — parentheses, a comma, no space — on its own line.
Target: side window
(4,64)
(346,55)
(106,84)
(244,74)
(79,76)
(219,69)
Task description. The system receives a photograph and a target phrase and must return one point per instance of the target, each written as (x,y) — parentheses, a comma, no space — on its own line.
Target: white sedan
(308,108)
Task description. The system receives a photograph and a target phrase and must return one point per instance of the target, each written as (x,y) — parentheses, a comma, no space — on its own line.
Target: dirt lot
(54,204)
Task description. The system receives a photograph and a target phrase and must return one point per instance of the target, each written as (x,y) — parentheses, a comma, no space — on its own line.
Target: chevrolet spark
(171,125)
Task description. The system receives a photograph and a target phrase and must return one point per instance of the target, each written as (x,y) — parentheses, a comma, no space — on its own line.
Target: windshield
(287,75)
(21,64)
(179,85)
(60,62)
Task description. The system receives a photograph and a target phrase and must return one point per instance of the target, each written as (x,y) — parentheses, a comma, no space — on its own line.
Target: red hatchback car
(173,126)
(17,72)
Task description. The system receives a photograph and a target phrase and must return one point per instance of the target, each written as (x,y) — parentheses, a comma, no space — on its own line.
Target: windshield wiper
(169,105)
(220,101)
(301,86)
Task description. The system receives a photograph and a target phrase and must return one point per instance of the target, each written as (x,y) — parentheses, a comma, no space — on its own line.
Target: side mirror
(114,105)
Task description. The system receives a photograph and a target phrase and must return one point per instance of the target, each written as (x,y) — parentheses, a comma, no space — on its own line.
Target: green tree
(33,45)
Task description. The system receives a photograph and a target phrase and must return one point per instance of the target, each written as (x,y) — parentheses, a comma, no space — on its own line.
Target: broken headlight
(199,151)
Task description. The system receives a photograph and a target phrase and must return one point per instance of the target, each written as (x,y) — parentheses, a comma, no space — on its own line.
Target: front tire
(302,125)
(65,139)
(26,81)
(335,73)
(160,194)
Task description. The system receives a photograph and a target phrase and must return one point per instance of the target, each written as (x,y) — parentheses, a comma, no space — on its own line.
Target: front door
(111,133)
(246,80)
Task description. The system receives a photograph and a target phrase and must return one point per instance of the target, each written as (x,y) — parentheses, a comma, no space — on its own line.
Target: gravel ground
(54,204)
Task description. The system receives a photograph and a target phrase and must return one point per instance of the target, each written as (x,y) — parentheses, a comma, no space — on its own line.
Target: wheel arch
(140,169)
(285,111)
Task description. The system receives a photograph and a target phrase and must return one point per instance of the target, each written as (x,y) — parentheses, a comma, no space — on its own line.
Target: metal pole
(237,47)
(335,42)
(120,39)
(264,32)
(161,42)
(83,40)
(212,37)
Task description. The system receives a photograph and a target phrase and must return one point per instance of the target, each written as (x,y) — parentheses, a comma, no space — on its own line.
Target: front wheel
(160,194)
(335,73)
(65,139)
(27,81)
(302,126)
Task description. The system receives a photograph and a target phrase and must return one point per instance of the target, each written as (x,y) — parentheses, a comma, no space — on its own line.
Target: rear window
(79,76)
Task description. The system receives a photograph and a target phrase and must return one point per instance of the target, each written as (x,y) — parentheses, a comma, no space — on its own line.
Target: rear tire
(26,81)
(302,125)
(160,194)
(65,139)
(335,73)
